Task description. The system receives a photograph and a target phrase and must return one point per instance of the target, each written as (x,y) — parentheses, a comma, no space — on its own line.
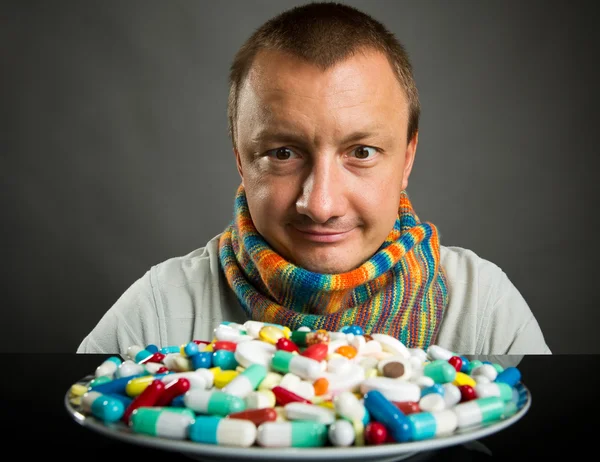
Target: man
(323,117)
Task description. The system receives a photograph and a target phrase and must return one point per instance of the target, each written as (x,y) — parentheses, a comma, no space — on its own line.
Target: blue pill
(511,376)
(424,425)
(191,349)
(435,388)
(170,349)
(202,360)
(465,368)
(126,400)
(384,411)
(115,385)
(152,348)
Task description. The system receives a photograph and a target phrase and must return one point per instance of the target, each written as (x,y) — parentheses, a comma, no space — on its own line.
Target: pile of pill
(259,384)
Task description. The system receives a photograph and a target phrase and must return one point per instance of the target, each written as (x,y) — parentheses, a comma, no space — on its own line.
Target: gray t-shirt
(185,298)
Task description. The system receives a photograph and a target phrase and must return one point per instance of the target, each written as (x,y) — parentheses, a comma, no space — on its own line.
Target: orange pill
(321,385)
(347,351)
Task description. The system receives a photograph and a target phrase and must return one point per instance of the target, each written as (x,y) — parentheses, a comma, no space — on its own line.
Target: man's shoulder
(188,267)
(465,265)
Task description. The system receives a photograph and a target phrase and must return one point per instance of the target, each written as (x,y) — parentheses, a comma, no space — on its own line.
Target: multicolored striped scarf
(401,290)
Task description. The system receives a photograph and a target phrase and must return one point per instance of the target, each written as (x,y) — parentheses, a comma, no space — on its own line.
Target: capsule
(306,368)
(284,396)
(510,376)
(117,385)
(108,367)
(137,353)
(161,421)
(440,370)
(430,424)
(383,410)
(173,389)
(312,412)
(500,389)
(129,368)
(295,434)
(348,406)
(101,406)
(147,398)
(200,378)
(479,411)
(213,402)
(212,429)
(247,381)
(256,416)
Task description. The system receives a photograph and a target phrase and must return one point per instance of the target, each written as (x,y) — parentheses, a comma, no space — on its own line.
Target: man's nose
(322,196)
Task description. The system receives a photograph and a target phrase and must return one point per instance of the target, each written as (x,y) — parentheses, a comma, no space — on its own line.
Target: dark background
(115,155)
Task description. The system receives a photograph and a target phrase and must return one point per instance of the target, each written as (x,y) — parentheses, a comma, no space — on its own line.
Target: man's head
(323,116)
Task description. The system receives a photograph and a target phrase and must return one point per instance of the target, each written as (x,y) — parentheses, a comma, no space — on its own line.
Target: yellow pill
(359,432)
(373,372)
(327,403)
(270,334)
(270,396)
(271,380)
(224,377)
(287,332)
(214,370)
(136,386)
(208,347)
(281,414)
(463,379)
(78,390)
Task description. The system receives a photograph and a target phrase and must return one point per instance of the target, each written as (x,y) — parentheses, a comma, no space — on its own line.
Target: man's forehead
(275,71)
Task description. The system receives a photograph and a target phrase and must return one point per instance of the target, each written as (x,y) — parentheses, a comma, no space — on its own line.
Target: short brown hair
(324,34)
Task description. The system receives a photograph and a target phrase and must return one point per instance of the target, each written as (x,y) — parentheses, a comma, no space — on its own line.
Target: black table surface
(562,419)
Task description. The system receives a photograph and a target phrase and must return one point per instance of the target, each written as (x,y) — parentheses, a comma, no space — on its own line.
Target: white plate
(381,453)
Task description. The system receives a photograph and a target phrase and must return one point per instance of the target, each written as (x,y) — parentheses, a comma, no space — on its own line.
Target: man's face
(323,156)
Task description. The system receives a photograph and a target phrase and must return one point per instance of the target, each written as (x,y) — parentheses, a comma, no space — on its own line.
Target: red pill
(318,351)
(256,416)
(284,396)
(146,398)
(456,363)
(162,370)
(201,342)
(155,358)
(224,345)
(467,393)
(375,433)
(407,407)
(286,344)
(173,389)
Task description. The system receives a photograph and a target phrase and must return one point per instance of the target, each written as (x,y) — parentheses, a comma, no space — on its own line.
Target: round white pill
(341,433)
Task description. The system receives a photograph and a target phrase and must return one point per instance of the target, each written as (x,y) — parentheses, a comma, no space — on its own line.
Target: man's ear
(409,159)
(238,163)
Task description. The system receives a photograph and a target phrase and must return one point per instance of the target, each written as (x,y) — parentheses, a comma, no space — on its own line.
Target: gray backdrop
(115,156)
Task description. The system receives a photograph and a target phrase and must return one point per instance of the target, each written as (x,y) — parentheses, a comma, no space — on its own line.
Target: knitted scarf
(401,290)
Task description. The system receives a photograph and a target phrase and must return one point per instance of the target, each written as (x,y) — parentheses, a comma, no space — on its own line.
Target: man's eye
(364,152)
(281,153)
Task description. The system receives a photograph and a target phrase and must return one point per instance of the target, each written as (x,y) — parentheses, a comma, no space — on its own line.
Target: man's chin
(331,265)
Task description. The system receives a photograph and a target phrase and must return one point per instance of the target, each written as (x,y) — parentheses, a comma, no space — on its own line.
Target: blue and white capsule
(101,406)
(213,402)
(432,424)
(109,367)
(210,429)
(292,434)
(165,422)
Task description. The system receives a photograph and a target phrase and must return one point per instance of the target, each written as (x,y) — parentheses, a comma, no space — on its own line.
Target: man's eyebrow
(271,134)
